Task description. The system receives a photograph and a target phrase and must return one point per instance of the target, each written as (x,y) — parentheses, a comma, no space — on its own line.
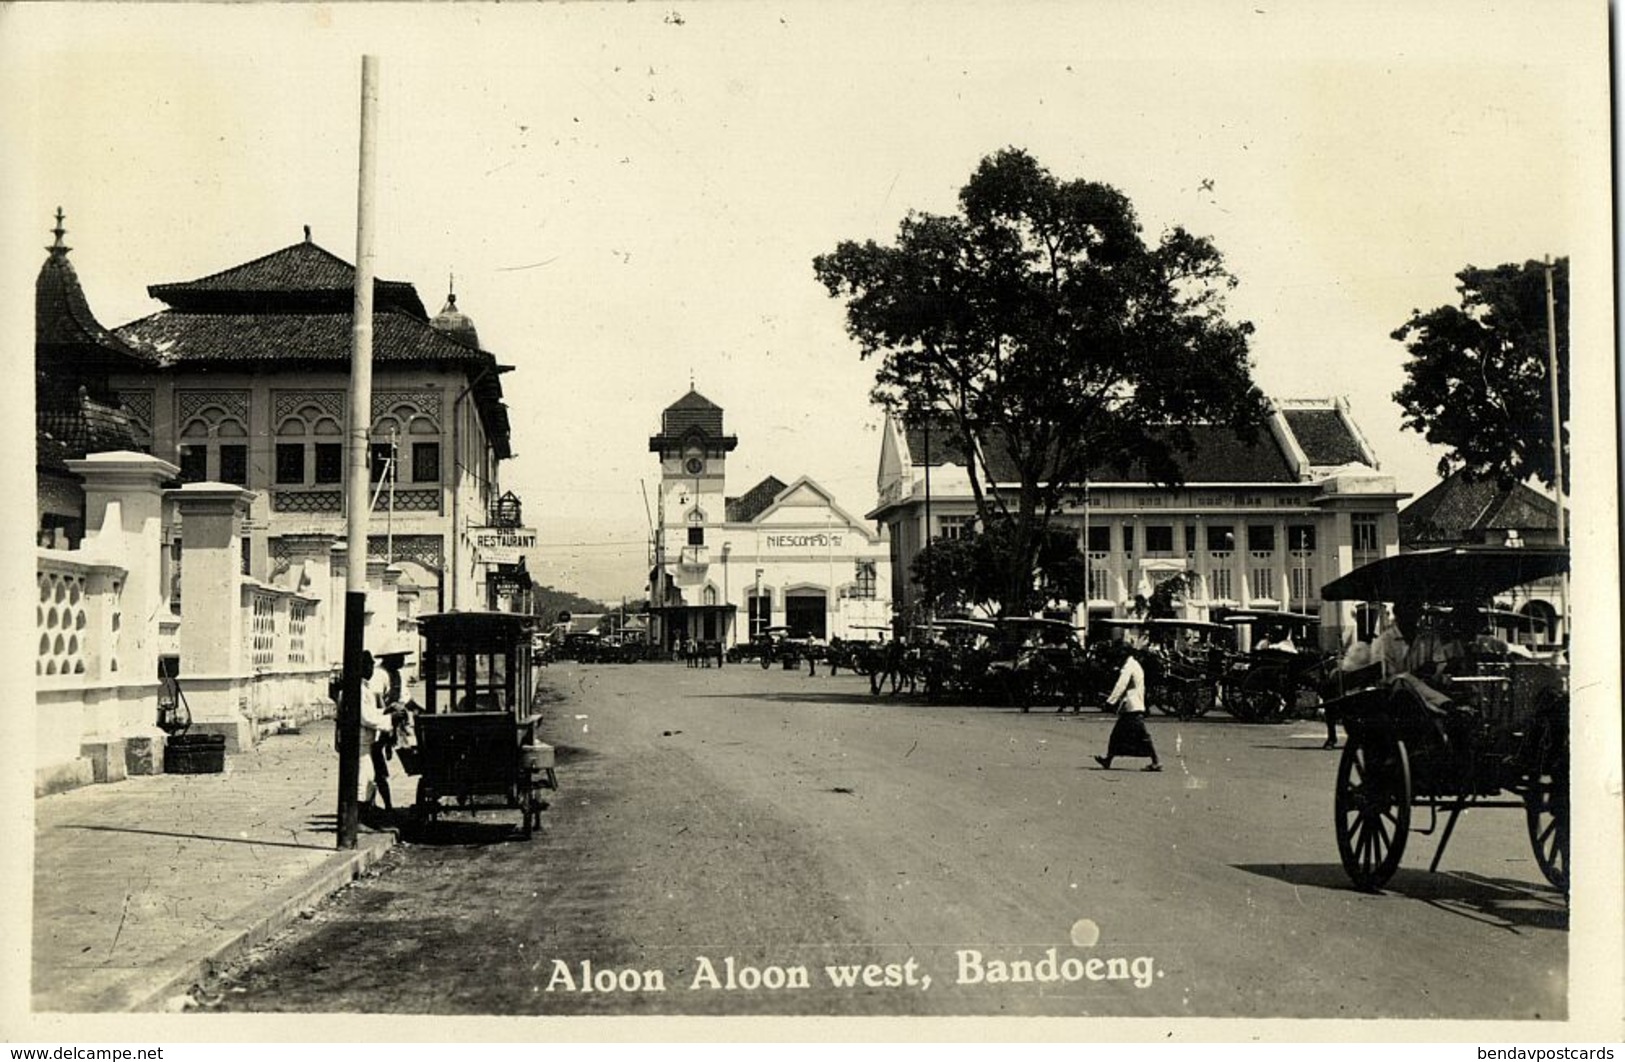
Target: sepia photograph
(813,521)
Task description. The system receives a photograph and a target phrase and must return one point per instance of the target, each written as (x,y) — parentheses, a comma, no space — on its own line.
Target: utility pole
(660,566)
(360,429)
(927,536)
(1557,435)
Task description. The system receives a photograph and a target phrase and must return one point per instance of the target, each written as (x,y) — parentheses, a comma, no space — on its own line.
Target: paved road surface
(785,825)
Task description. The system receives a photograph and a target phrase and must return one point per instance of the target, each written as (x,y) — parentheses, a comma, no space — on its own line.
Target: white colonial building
(778,555)
(1262,525)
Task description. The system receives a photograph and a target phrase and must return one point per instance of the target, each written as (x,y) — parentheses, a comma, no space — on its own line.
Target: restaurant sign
(502,545)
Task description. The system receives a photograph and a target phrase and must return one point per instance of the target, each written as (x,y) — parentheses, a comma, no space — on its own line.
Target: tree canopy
(1038,321)
(960,574)
(1478,374)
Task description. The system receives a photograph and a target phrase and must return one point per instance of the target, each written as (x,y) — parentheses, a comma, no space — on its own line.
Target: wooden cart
(476,739)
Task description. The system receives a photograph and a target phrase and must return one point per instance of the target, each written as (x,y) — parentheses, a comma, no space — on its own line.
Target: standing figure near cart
(1129,735)
(372,778)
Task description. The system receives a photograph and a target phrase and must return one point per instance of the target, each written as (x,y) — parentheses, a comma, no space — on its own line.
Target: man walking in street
(1129,735)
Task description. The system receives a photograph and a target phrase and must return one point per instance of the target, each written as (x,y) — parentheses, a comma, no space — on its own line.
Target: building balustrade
(78,617)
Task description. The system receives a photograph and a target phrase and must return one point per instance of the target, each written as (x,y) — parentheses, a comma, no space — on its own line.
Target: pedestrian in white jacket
(1129,735)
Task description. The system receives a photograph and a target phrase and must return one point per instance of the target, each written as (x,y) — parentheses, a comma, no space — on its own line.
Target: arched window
(309,441)
(214,441)
(696,527)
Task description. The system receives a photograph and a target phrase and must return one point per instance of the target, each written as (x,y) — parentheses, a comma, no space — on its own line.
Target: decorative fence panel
(78,617)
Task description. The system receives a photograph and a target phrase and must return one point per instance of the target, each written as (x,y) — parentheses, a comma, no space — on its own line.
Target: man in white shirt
(1129,735)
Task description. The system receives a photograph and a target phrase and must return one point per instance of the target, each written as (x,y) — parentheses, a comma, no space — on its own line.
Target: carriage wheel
(1202,699)
(1261,696)
(1373,808)
(1165,697)
(1546,808)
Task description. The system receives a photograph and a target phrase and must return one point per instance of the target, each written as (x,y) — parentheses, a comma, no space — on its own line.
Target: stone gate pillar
(214,621)
(124,526)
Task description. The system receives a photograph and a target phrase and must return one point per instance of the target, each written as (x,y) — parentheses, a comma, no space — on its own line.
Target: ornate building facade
(778,555)
(247,385)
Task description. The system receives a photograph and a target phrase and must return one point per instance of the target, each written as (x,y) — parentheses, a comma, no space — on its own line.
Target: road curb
(178,972)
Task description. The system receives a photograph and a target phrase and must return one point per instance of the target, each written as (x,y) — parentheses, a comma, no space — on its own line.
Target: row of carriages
(1249,664)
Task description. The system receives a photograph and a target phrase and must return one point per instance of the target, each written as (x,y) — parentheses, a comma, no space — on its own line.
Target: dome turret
(455,323)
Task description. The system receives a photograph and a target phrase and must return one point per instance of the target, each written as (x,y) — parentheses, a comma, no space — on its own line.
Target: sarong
(1129,736)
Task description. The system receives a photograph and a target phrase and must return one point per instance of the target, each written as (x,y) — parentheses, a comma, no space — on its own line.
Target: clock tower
(693,460)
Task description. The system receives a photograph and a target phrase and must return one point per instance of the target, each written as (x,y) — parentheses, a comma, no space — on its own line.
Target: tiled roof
(690,411)
(302,276)
(175,338)
(1459,509)
(1217,457)
(754,502)
(1324,436)
(64,323)
(86,428)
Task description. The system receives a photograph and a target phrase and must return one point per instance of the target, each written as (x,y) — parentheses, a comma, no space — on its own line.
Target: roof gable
(299,278)
(1324,436)
(804,495)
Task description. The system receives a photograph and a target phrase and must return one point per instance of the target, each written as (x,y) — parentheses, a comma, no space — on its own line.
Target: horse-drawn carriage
(1279,676)
(1487,726)
(1191,660)
(1038,661)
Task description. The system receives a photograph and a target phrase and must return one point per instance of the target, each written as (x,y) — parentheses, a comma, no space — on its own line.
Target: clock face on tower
(694,466)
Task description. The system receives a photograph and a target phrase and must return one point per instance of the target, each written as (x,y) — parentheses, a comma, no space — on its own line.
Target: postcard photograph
(1030,521)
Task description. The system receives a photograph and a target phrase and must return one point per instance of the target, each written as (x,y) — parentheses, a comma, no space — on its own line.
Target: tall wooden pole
(1557,433)
(360,432)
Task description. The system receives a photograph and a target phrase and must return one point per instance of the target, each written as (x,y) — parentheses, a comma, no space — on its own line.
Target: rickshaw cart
(1269,684)
(476,737)
(1501,739)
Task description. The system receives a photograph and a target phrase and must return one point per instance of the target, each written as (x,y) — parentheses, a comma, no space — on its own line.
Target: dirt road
(741,841)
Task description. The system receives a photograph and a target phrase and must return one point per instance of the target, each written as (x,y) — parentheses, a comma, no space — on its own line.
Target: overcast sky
(631,194)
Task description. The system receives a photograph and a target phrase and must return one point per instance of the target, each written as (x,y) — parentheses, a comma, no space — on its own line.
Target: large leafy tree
(1478,375)
(959,574)
(1042,328)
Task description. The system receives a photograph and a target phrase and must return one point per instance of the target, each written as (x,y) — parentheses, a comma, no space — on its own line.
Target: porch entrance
(804,614)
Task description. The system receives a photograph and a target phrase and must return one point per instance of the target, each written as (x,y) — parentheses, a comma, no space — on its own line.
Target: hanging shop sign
(502,545)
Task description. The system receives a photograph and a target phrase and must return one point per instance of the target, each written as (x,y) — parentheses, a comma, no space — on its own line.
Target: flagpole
(360,430)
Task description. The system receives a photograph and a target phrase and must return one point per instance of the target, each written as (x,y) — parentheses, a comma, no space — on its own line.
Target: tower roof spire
(59,247)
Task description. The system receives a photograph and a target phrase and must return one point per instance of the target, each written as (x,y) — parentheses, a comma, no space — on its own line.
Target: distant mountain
(550,602)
